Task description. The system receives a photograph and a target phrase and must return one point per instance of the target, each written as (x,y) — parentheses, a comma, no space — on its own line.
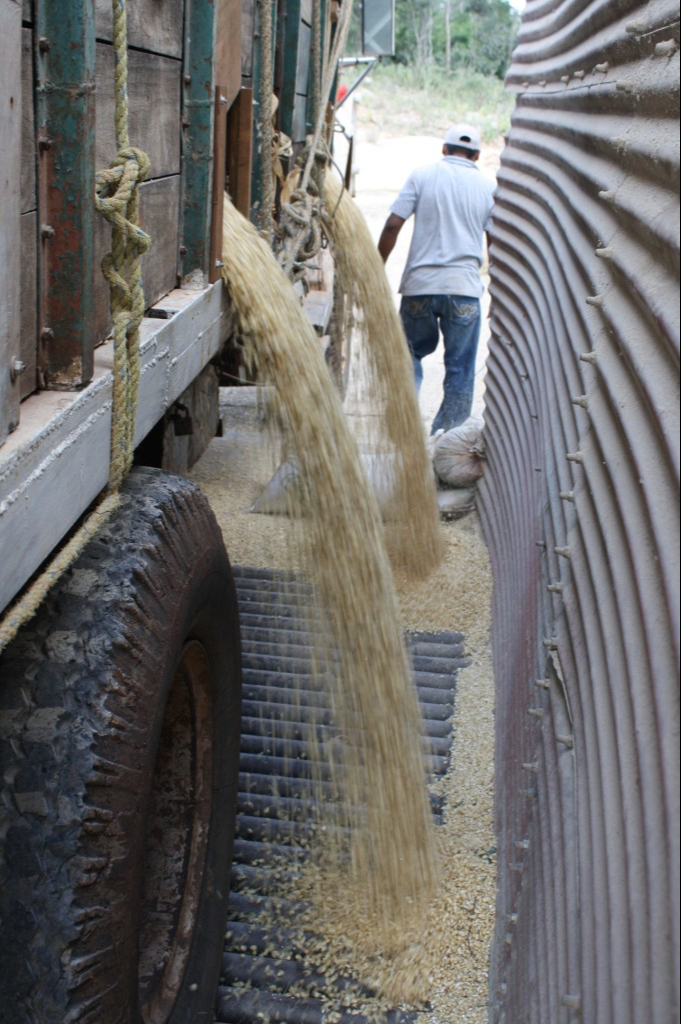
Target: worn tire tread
(70,741)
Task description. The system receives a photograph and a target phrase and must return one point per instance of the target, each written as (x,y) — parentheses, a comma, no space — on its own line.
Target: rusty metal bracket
(181,419)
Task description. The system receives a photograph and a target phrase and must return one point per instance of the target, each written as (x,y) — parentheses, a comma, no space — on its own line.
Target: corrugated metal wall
(580,510)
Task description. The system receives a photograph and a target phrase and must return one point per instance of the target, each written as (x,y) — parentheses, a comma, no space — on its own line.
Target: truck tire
(119,744)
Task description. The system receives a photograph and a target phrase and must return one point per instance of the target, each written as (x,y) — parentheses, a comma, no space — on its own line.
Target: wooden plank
(65,121)
(28,168)
(240,151)
(29,303)
(10,205)
(318,306)
(181,452)
(154,90)
(160,218)
(203,321)
(289,46)
(248,17)
(228,53)
(303,67)
(154,25)
(28,340)
(299,124)
(54,466)
(219,176)
(198,125)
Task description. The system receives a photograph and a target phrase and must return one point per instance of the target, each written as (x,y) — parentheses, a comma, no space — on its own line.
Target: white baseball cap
(464,136)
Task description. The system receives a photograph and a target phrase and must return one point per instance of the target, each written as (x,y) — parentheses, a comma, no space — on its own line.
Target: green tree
(452,34)
(494,26)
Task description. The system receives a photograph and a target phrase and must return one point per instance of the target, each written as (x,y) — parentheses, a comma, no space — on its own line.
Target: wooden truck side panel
(193,80)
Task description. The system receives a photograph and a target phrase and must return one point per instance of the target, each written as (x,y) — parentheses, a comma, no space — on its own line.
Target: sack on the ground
(381,474)
(453,504)
(283,494)
(458,455)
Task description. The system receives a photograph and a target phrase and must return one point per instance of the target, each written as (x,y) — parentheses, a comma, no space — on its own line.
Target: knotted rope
(265,215)
(301,227)
(117,199)
(301,223)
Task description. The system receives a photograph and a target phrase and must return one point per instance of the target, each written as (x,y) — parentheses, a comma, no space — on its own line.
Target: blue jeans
(458,317)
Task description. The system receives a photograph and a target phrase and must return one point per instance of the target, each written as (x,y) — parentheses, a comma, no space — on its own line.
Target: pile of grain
(391,871)
(442,963)
(380,915)
(452,964)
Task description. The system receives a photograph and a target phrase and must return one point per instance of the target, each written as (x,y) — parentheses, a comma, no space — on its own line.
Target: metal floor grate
(283,710)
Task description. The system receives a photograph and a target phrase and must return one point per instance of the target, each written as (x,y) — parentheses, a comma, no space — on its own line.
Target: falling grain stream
(377,866)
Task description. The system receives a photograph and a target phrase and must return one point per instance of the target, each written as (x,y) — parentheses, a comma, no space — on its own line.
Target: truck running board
(285,711)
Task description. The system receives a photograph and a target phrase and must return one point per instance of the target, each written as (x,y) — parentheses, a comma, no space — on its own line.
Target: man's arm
(391,230)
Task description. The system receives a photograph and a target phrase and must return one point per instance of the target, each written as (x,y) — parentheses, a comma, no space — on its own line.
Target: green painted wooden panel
(291,64)
(197,124)
(258,156)
(66,112)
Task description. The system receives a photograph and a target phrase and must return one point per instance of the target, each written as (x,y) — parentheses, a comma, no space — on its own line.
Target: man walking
(441,288)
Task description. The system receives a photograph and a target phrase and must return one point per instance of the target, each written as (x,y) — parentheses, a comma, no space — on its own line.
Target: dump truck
(120,757)
(119,695)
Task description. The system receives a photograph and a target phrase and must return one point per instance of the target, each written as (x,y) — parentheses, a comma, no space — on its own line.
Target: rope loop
(299,209)
(117,199)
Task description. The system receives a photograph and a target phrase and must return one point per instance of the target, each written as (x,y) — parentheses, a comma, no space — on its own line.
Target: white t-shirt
(452,203)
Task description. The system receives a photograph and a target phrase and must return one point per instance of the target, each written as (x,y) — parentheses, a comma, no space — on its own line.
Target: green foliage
(492,36)
(481,34)
(425,101)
